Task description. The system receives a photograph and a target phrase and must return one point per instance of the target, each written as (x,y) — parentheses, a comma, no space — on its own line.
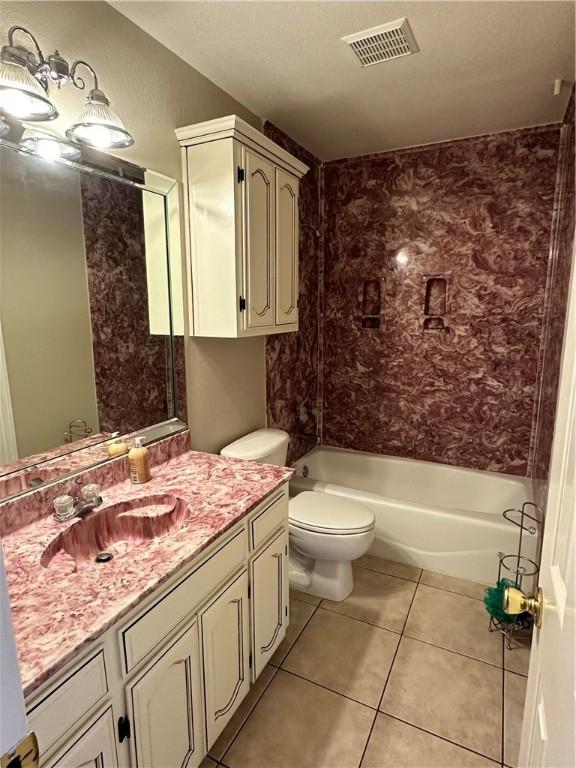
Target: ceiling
(482,67)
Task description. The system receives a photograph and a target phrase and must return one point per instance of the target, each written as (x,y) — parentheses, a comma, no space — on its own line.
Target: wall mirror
(91,311)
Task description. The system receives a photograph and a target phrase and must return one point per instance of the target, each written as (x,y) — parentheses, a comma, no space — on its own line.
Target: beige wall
(155,92)
(44,301)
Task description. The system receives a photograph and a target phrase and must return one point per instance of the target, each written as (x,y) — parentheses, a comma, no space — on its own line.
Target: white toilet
(327,531)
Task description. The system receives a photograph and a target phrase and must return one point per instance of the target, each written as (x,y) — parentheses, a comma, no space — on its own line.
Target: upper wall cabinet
(242,229)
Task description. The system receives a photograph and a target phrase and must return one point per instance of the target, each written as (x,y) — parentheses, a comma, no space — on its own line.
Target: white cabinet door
(286,248)
(258,240)
(225,655)
(96,747)
(164,703)
(269,577)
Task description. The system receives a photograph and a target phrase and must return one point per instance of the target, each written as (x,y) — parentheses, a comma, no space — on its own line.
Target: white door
(96,747)
(286,248)
(225,655)
(13,726)
(258,240)
(549,729)
(269,606)
(164,703)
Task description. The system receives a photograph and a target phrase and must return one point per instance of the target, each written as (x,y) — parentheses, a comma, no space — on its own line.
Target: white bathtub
(434,516)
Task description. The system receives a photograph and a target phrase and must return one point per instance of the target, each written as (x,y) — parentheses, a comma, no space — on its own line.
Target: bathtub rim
(525,481)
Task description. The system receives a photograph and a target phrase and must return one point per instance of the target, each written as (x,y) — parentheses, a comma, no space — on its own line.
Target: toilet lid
(327,513)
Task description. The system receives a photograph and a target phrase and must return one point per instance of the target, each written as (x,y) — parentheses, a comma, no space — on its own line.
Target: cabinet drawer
(146,632)
(60,710)
(272,516)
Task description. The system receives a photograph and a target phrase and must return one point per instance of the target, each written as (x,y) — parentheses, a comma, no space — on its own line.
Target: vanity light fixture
(48,145)
(25,77)
(98,125)
(23,85)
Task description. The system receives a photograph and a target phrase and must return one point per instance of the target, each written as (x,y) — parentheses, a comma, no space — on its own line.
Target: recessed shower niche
(436,303)
(371,291)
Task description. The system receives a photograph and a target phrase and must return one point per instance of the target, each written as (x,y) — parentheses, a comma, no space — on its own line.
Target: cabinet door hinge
(242,303)
(249,591)
(250,660)
(241,174)
(286,610)
(123,728)
(286,550)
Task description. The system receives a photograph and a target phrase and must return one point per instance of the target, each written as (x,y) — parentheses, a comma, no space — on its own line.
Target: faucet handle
(90,492)
(63,508)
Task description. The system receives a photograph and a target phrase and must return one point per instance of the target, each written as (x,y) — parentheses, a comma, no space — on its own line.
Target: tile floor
(402,674)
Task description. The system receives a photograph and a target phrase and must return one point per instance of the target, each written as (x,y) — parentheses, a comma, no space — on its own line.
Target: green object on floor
(494,600)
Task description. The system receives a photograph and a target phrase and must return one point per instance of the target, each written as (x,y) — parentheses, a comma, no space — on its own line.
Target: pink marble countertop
(58,610)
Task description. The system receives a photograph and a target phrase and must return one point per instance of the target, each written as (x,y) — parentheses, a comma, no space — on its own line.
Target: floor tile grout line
(518,674)
(362,621)
(380,701)
(249,713)
(384,573)
(419,581)
(306,602)
(299,635)
(443,738)
(398,646)
(451,650)
(452,592)
(411,604)
(388,676)
(277,669)
(368,739)
(331,690)
(412,581)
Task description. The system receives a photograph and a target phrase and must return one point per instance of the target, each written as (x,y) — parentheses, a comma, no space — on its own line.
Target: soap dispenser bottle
(139,462)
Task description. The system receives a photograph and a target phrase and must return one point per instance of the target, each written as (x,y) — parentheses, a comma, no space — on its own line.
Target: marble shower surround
(292,359)
(476,212)
(559,268)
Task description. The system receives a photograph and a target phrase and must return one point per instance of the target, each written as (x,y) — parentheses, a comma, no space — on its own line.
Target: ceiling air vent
(388,41)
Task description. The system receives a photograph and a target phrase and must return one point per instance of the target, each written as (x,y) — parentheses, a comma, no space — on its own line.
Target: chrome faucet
(67,507)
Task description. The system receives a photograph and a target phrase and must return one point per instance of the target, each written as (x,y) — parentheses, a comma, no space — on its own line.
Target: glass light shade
(48,145)
(99,126)
(4,127)
(22,96)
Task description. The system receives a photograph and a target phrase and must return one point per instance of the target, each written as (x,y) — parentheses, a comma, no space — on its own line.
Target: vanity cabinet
(94,748)
(269,577)
(164,705)
(158,688)
(225,655)
(242,229)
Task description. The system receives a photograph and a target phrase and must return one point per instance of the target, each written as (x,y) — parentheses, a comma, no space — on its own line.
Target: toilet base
(327,579)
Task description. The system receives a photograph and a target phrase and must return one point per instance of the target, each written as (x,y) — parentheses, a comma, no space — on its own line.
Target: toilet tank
(268,446)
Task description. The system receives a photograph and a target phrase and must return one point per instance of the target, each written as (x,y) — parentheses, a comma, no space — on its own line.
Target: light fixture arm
(77,80)
(12,31)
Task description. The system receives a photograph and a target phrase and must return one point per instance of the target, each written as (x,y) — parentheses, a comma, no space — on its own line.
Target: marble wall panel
(559,269)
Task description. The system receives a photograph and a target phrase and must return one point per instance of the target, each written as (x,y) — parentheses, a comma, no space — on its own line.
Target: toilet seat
(327,513)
